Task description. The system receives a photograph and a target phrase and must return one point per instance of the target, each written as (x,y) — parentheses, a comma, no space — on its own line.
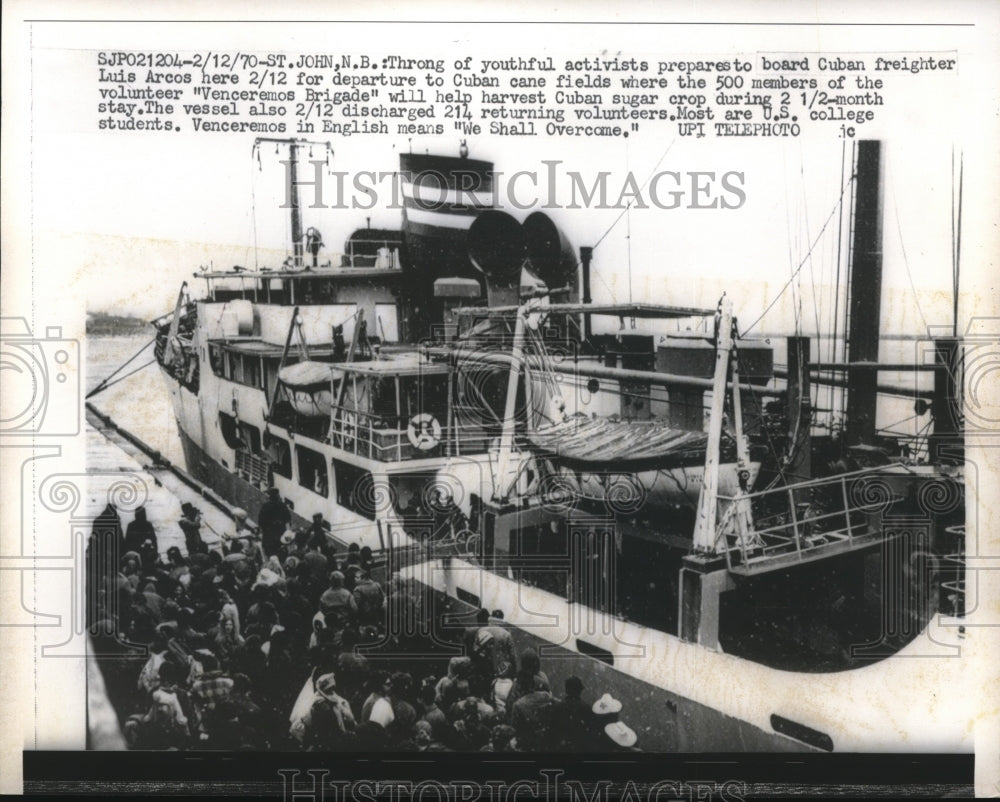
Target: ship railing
(379,437)
(777,527)
(379,253)
(426,540)
(252,467)
(954,562)
(386,438)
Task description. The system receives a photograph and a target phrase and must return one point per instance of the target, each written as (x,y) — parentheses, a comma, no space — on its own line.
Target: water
(139,403)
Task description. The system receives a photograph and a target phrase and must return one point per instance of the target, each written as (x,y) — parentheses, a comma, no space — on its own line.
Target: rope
(617,220)
(629,205)
(906,262)
(122,378)
(104,384)
(812,273)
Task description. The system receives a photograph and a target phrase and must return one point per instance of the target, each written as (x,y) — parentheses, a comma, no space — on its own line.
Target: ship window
(383,403)
(355,489)
(236,360)
(424,395)
(279,455)
(800,732)
(250,437)
(589,649)
(216,359)
(230,430)
(312,471)
(252,372)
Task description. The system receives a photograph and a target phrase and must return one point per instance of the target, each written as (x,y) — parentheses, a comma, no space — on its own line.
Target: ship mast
(292,200)
(292,193)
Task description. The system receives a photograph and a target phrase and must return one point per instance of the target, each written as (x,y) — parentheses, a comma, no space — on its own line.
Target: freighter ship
(653,515)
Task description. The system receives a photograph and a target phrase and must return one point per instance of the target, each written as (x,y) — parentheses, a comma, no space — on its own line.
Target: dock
(155,484)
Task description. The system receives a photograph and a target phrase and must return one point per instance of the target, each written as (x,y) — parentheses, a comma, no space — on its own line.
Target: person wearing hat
(190,524)
(620,737)
(616,734)
(274,518)
(330,711)
(235,541)
(607,705)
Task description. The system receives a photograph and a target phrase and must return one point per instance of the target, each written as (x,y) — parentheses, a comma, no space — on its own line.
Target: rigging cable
(106,384)
(805,215)
(792,246)
(909,275)
(103,385)
(836,285)
(906,261)
(802,263)
(628,229)
(956,238)
(624,211)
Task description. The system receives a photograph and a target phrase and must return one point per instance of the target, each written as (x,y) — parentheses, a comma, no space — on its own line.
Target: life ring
(423,431)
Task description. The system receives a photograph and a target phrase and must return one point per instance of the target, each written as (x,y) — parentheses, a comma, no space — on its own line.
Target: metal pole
(502,491)
(293,196)
(704,530)
(586,254)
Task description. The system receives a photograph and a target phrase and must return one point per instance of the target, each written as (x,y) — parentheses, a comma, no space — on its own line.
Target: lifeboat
(309,386)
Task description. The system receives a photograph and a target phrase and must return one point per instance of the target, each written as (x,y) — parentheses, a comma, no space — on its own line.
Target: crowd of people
(278,641)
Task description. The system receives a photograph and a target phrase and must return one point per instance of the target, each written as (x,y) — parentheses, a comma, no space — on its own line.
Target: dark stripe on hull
(231,487)
(454,172)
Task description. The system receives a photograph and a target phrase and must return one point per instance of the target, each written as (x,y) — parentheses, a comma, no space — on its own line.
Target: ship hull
(682,697)
(664,721)
(231,487)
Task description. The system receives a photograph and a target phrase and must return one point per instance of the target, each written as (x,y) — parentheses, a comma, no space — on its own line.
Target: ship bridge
(392,408)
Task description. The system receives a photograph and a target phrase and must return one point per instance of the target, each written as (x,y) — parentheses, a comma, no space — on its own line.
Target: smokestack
(866,293)
(551,254)
(496,247)
(586,254)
